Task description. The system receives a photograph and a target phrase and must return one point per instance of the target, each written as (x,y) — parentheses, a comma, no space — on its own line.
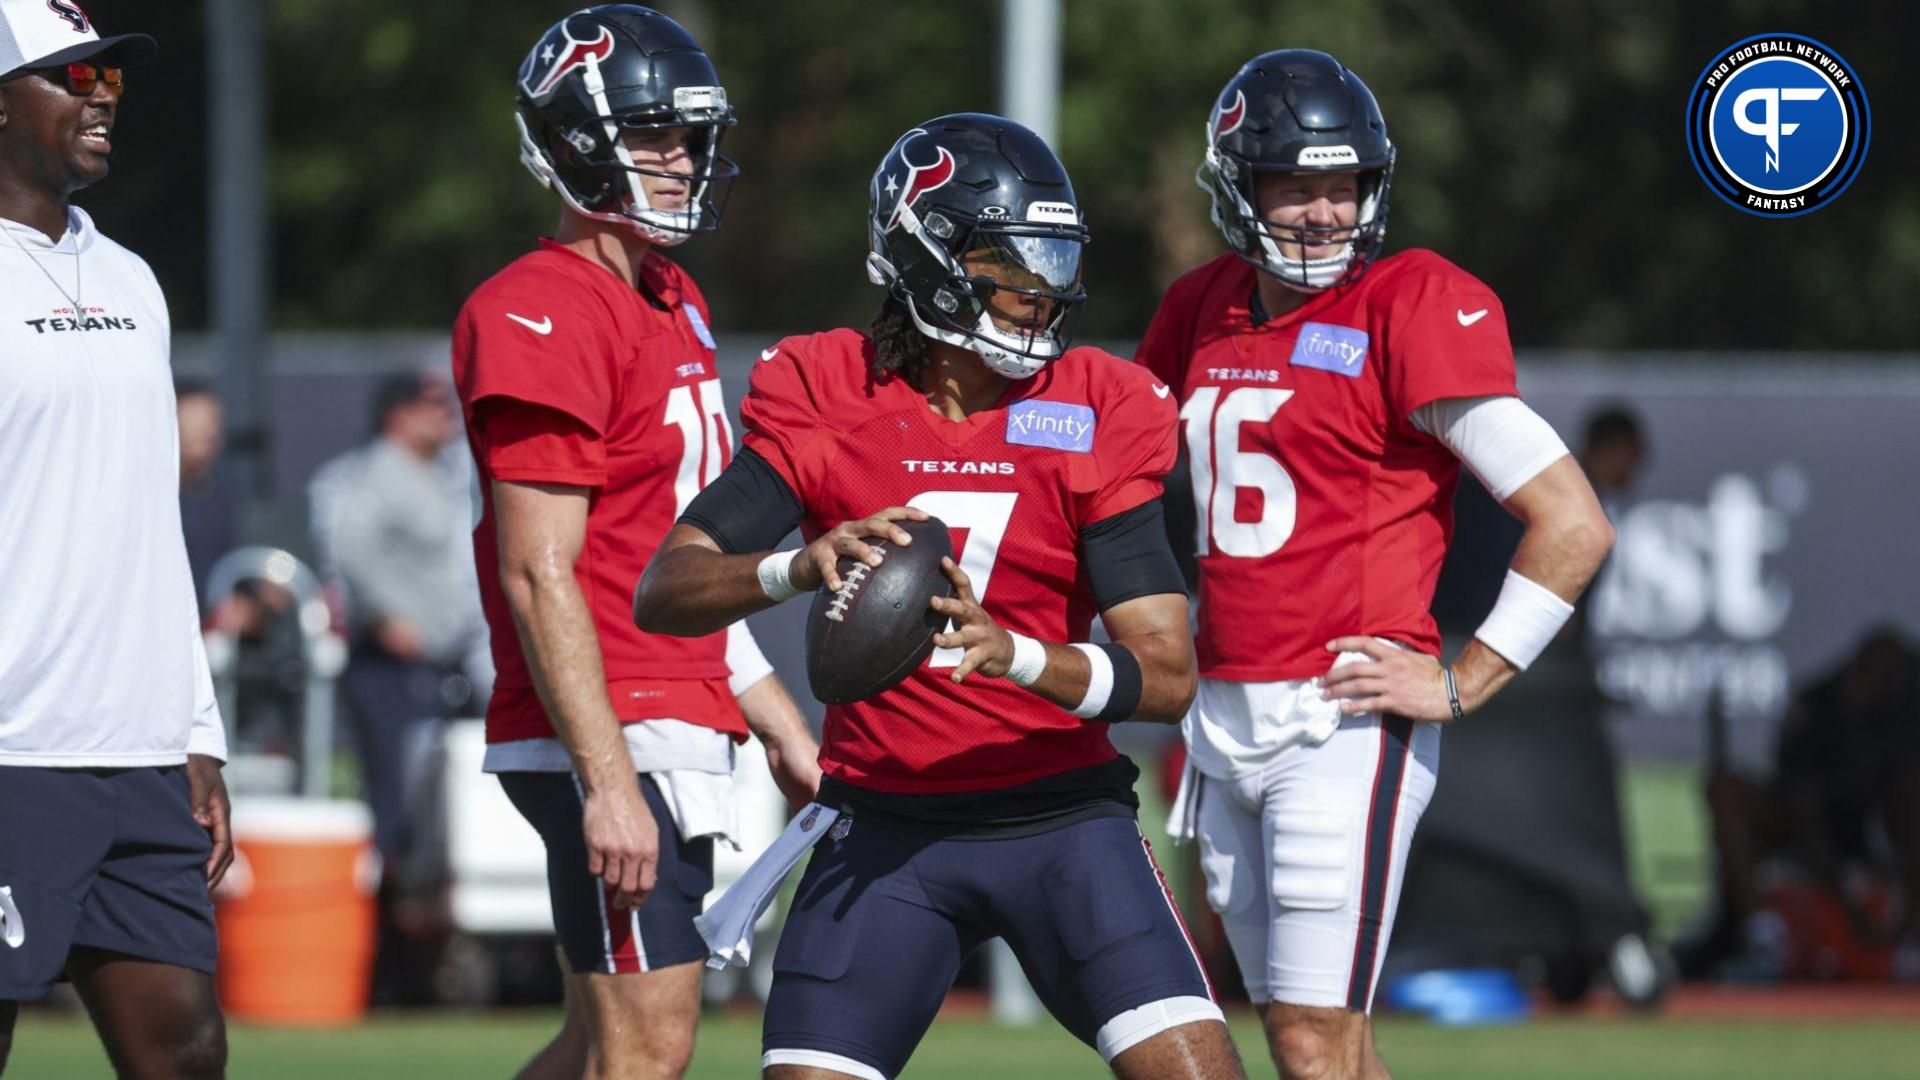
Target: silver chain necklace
(79,313)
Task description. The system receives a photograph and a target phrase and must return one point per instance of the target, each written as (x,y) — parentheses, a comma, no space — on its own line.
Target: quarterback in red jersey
(1328,399)
(981,797)
(586,374)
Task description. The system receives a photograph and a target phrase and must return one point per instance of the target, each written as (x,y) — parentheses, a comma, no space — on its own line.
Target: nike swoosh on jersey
(1469,320)
(543,327)
(768,354)
(1160,391)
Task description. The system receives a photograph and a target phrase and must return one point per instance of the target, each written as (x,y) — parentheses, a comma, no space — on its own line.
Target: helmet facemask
(1232,181)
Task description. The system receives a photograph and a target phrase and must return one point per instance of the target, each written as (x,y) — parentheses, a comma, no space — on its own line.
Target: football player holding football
(1328,398)
(981,797)
(586,375)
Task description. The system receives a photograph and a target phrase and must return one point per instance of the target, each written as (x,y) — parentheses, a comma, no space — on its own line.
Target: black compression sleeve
(1127,556)
(747,508)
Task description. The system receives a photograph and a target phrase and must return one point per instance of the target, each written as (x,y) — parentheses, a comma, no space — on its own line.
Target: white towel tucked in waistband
(701,804)
(727,926)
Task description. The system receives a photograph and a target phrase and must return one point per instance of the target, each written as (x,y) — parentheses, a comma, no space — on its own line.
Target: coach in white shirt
(113,815)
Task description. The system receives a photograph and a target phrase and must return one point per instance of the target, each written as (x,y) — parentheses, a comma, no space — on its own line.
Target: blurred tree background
(1541,147)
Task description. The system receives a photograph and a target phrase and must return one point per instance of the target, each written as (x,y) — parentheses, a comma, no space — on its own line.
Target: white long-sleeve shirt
(101,660)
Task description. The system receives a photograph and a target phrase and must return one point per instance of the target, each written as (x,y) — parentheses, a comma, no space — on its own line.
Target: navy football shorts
(884,917)
(596,935)
(101,858)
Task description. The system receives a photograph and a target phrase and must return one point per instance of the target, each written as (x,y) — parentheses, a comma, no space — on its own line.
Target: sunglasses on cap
(80,77)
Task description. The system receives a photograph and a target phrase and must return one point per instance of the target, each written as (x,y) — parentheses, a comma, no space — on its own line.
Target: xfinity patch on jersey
(1339,349)
(1054,425)
(699,326)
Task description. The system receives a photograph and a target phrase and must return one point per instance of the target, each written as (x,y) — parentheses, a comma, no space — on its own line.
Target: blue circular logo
(1777,125)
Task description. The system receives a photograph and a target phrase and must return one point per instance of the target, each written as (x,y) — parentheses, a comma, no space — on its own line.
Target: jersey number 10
(1221,468)
(702,421)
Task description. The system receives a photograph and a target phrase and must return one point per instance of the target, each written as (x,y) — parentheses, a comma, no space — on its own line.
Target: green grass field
(431,1045)
(1665,831)
(492,1044)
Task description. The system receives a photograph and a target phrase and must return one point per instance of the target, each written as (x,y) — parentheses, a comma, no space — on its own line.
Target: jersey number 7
(984,514)
(1221,468)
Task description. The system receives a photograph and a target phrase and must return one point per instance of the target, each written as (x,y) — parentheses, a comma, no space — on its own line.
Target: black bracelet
(1453,694)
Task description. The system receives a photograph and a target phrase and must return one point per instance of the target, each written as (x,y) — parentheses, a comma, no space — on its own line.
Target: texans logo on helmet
(1227,120)
(71,12)
(576,55)
(920,178)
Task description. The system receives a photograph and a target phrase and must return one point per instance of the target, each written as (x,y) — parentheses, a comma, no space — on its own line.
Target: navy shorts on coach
(101,858)
(884,917)
(596,935)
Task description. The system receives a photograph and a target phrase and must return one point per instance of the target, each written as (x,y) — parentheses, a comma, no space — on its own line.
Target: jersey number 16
(1221,468)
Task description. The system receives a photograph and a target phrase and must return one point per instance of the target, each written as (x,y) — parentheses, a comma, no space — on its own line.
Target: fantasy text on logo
(1778,125)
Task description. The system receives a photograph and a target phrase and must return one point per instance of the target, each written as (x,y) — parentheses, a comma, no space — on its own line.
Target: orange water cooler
(296,912)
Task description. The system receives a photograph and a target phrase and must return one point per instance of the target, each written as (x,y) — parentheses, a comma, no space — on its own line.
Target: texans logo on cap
(71,12)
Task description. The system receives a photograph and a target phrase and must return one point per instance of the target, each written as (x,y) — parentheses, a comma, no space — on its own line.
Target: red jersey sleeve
(531,443)
(1134,440)
(547,346)
(1446,338)
(783,416)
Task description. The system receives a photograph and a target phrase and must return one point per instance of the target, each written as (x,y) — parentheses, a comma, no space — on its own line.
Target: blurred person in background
(593,409)
(1614,452)
(113,812)
(1840,816)
(1342,392)
(209,505)
(395,546)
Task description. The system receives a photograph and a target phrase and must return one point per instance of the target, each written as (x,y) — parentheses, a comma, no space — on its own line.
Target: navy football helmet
(1297,110)
(614,68)
(972,217)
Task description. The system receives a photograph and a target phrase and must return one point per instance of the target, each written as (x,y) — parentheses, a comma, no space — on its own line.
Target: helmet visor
(1047,265)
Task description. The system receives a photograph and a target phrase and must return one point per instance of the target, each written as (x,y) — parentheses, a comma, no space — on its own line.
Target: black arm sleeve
(747,508)
(1127,556)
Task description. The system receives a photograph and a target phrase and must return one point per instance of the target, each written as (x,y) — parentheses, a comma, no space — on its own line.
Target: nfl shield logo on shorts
(1778,125)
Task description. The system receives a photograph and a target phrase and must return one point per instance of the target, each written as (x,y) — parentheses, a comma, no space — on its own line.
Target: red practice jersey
(1089,437)
(635,370)
(1322,510)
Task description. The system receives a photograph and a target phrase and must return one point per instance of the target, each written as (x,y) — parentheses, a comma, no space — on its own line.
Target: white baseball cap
(50,33)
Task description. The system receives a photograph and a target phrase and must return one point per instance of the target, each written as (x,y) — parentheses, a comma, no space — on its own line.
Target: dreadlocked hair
(899,348)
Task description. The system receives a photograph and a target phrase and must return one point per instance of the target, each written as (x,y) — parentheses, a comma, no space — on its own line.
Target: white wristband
(776,575)
(1523,621)
(1099,681)
(1029,660)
